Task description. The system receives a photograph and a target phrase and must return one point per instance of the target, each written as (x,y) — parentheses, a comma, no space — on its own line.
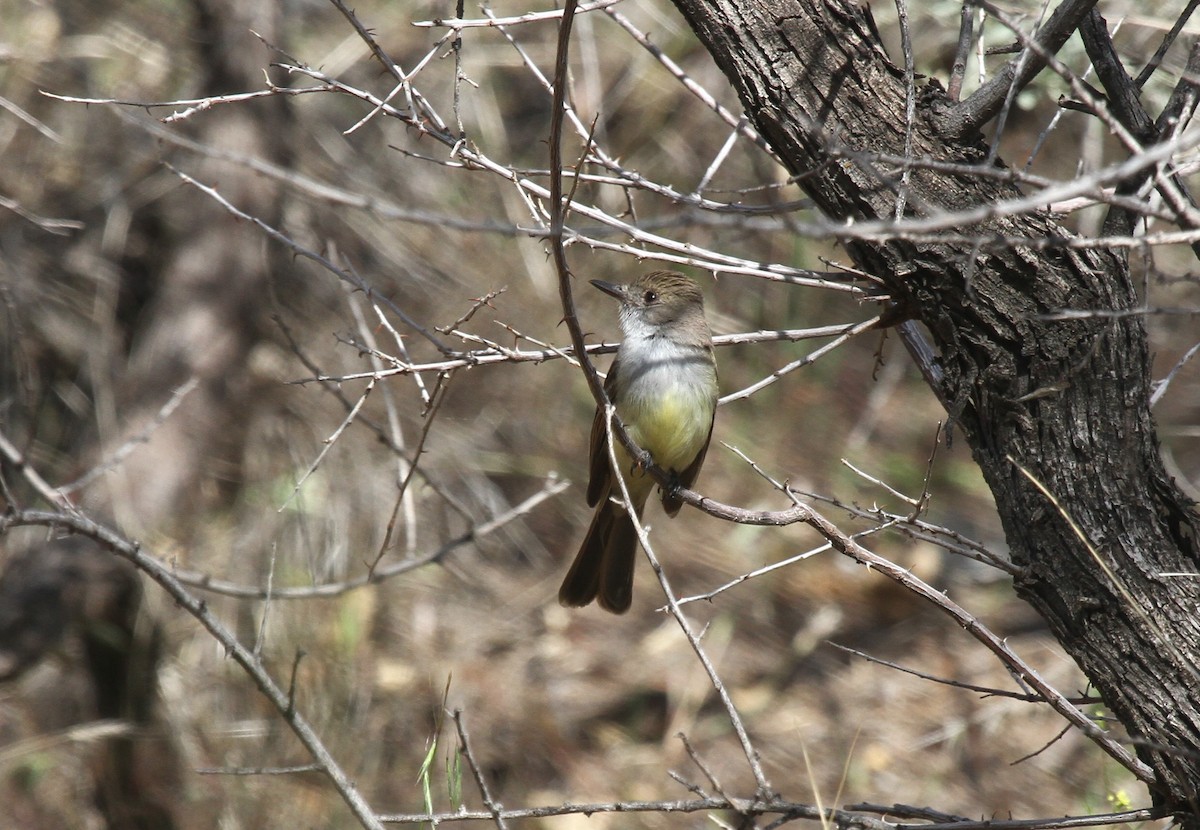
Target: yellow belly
(672,426)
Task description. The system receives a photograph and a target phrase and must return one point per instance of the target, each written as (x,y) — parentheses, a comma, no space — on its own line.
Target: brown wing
(599,475)
(688,477)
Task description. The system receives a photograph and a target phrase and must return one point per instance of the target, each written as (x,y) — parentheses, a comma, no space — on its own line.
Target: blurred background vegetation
(120,283)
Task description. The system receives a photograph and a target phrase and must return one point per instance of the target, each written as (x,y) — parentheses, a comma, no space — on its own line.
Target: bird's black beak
(610,288)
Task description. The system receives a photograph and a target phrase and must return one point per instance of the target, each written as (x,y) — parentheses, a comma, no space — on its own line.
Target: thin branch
(206,582)
(800,363)
(298,768)
(430,414)
(345,274)
(405,467)
(1058,736)
(142,437)
(1156,59)
(529,17)
(192,106)
(327,445)
(986,102)
(801,513)
(58,227)
(944,822)
(958,70)
(840,819)
(1160,387)
(989,691)
(910,105)
(558,210)
(739,123)
(949,540)
(703,767)
(494,354)
(42,487)
(489,800)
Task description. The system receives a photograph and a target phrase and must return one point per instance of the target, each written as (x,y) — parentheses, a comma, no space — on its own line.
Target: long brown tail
(603,568)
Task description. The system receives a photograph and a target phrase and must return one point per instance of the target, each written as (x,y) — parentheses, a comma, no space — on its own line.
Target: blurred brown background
(154,284)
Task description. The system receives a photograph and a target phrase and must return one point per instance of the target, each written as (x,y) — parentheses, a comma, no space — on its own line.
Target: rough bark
(1065,400)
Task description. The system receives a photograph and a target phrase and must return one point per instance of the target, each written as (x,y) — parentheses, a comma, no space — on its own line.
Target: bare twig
(327,445)
(811,357)
(489,800)
(58,227)
(342,273)
(1160,387)
(383,573)
(988,100)
(528,17)
(430,414)
(122,452)
(958,69)
(990,691)
(840,819)
(1156,59)
(847,546)
(493,354)
(293,770)
(42,487)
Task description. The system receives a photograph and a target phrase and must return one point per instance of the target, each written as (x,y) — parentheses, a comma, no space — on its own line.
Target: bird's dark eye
(650,296)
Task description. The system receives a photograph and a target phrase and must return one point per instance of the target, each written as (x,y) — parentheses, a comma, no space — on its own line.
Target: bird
(663,385)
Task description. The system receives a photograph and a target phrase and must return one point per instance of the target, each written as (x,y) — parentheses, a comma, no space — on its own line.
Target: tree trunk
(1064,403)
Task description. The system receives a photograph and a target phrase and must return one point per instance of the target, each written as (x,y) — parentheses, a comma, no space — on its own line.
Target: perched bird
(663,385)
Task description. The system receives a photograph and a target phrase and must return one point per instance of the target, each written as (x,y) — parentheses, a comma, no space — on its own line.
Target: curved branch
(967,117)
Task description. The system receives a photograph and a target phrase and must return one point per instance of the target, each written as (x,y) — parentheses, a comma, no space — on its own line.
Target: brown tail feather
(620,556)
(582,581)
(603,568)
